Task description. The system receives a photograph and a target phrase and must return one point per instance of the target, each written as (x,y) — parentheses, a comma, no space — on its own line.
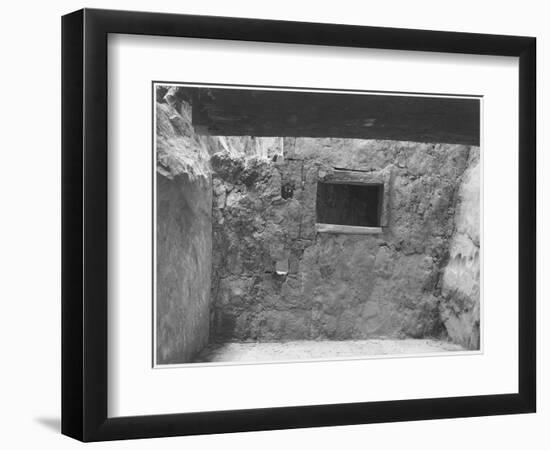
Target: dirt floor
(304,350)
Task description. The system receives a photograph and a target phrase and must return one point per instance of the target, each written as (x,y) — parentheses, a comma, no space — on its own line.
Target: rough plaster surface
(460,309)
(304,350)
(183,239)
(338,286)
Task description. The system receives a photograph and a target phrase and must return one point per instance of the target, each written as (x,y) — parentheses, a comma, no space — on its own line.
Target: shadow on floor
(52,423)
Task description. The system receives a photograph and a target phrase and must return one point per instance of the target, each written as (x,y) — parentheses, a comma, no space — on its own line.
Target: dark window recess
(349,204)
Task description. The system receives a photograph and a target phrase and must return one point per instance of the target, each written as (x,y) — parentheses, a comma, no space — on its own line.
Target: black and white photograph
(296,225)
(277,225)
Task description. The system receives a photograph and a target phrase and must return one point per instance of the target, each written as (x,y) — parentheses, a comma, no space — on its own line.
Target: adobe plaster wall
(460,308)
(183,238)
(338,286)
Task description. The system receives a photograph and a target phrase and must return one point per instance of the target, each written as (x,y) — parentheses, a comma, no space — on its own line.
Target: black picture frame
(84,224)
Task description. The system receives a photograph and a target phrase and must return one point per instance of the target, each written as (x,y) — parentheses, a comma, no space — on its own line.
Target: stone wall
(460,309)
(183,237)
(184,224)
(338,286)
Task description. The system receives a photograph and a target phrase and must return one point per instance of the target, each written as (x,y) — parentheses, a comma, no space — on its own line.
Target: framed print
(273,224)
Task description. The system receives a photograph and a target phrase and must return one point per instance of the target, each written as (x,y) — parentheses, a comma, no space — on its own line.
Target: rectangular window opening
(358,205)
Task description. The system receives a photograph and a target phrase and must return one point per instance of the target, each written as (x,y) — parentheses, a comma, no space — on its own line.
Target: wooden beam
(233,112)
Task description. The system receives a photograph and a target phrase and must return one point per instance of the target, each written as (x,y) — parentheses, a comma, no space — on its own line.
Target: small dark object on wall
(287,190)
